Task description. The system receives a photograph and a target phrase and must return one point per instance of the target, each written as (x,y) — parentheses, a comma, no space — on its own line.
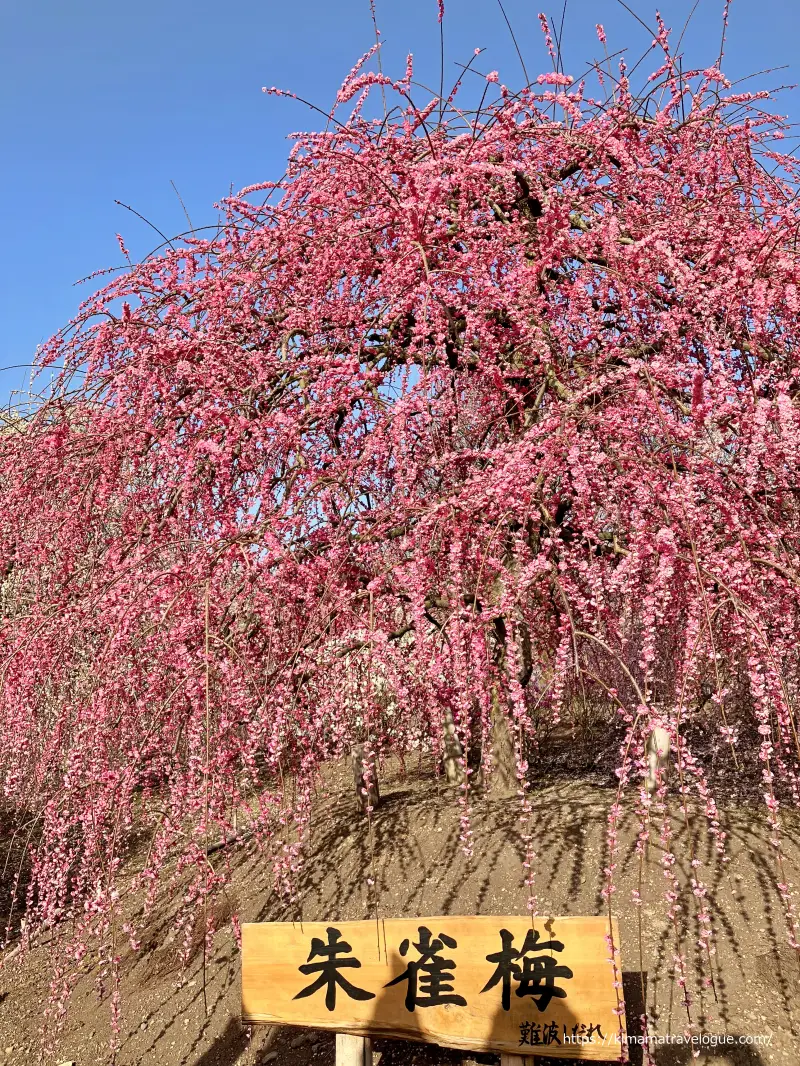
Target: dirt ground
(421,870)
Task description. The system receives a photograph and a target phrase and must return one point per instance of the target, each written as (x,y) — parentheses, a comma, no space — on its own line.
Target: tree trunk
(503,781)
(366,779)
(453,752)
(657,750)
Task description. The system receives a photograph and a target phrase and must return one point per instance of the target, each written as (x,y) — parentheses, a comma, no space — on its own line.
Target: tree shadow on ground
(411,848)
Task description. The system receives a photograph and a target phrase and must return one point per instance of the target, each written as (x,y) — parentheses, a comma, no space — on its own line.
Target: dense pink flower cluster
(492,412)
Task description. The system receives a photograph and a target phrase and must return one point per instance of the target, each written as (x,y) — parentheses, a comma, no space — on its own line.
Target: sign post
(353,1050)
(515,985)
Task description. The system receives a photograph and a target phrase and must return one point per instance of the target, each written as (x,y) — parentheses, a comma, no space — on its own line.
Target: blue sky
(114,101)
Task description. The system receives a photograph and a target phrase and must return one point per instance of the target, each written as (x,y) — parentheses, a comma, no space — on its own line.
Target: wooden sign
(511,984)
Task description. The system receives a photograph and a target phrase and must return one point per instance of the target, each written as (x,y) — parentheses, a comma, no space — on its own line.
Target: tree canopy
(482,413)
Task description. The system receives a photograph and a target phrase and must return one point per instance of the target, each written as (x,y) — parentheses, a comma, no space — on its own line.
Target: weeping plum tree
(470,418)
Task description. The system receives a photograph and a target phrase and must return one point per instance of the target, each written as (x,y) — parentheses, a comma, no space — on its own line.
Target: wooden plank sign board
(515,985)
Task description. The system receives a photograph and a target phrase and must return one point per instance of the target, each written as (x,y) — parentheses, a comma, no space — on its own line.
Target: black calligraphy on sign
(583,1034)
(329,968)
(536,1033)
(534,971)
(430,976)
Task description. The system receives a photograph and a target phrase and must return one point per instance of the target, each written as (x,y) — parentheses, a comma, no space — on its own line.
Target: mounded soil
(414,855)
